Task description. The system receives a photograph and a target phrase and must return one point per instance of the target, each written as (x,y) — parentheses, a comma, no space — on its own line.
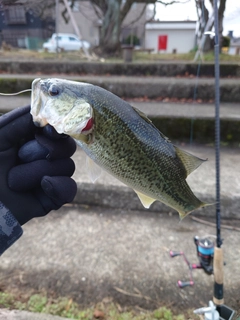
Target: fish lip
(35,84)
(37,102)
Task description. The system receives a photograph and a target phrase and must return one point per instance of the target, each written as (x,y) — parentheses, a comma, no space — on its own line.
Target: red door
(162,42)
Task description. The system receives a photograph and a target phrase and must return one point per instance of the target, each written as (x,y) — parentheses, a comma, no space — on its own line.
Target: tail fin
(183,214)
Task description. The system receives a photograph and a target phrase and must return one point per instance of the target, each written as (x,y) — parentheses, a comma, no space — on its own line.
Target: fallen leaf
(98,314)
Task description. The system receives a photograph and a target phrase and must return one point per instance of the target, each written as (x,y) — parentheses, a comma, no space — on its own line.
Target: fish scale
(123,141)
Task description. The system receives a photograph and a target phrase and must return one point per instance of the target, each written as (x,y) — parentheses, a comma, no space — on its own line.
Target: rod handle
(218,276)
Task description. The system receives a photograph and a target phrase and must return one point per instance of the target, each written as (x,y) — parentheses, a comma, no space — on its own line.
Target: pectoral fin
(146,200)
(93,170)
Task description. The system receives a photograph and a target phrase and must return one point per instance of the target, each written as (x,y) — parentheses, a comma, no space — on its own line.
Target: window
(72,39)
(15,15)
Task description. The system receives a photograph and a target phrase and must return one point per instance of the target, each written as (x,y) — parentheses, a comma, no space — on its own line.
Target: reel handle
(183,284)
(175,253)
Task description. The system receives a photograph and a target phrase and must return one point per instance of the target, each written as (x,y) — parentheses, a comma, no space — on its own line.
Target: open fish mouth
(68,114)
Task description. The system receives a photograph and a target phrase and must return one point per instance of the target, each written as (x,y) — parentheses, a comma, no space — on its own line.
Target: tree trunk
(221,11)
(111,26)
(203,16)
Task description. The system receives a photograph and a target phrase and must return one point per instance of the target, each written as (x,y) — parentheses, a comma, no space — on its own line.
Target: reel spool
(205,252)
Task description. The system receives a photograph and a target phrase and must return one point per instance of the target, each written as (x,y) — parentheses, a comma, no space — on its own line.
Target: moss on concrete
(198,130)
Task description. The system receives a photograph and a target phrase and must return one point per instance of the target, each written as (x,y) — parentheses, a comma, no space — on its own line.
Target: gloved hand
(35,167)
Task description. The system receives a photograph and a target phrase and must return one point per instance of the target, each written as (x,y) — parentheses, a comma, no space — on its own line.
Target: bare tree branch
(125,9)
(101,4)
(171,2)
(96,10)
(138,17)
(153,14)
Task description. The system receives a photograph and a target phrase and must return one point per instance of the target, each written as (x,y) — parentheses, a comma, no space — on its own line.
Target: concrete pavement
(90,253)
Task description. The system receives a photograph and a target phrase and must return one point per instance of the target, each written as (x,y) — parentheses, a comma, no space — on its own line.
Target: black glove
(35,167)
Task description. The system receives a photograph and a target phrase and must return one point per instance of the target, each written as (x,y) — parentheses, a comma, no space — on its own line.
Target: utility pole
(75,26)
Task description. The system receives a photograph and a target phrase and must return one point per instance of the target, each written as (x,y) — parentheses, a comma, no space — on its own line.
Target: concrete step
(132,87)
(148,68)
(110,192)
(179,121)
(172,120)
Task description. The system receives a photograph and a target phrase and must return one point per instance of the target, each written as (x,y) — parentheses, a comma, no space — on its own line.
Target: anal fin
(145,200)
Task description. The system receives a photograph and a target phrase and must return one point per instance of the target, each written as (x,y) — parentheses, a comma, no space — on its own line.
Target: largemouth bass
(118,138)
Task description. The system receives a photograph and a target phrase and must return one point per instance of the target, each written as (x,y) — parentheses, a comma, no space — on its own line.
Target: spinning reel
(205,252)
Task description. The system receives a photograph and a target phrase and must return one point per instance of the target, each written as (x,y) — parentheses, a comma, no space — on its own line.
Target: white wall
(183,40)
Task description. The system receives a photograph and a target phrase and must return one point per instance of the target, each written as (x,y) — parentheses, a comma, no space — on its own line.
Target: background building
(21,27)
(89,23)
(20,23)
(170,36)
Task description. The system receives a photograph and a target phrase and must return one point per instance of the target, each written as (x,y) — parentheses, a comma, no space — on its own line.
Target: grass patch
(207,57)
(24,54)
(66,307)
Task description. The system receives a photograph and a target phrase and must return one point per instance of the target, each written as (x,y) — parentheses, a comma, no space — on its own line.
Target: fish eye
(53,91)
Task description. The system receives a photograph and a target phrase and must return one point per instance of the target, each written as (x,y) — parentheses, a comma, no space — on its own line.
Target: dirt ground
(92,253)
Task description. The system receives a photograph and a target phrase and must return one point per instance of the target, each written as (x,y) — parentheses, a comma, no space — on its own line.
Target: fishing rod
(219,309)
(218,252)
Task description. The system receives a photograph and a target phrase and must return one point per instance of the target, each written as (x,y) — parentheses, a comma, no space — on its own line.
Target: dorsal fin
(145,117)
(189,161)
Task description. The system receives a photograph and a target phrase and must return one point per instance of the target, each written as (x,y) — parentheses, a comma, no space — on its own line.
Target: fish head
(59,102)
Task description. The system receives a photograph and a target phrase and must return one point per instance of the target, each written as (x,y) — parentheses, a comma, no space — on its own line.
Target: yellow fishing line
(14,94)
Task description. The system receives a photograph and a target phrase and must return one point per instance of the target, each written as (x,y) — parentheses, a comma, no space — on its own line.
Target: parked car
(66,42)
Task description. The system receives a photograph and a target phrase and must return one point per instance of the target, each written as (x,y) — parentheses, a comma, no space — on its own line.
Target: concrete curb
(119,197)
(180,121)
(160,68)
(110,193)
(25,315)
(132,87)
